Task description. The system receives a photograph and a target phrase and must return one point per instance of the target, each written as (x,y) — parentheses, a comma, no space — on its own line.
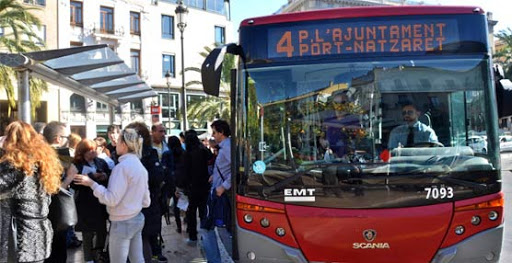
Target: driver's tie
(410,137)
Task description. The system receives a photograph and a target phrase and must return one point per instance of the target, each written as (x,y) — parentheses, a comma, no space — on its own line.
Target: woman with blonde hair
(126,195)
(30,172)
(73,139)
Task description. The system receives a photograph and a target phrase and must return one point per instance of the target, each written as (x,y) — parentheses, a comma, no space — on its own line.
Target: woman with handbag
(126,195)
(29,174)
(92,216)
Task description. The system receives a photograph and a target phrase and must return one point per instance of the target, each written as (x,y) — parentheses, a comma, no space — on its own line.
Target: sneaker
(178,230)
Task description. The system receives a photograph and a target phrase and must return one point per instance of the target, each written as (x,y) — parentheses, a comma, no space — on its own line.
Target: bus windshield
(347,129)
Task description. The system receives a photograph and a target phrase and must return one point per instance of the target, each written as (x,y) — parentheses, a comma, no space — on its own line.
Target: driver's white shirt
(422,133)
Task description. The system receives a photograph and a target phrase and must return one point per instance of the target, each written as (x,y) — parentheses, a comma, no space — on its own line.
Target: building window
(77,103)
(167,27)
(107,20)
(135,57)
(168,65)
(35,2)
(134,23)
(1,31)
(220,35)
(195,124)
(194,3)
(76,13)
(193,99)
(169,103)
(216,6)
(101,107)
(136,107)
(39,32)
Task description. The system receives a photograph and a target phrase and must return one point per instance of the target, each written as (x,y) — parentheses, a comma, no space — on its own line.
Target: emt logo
(299,195)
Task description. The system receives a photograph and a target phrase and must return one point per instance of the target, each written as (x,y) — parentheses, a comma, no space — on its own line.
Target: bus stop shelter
(95,72)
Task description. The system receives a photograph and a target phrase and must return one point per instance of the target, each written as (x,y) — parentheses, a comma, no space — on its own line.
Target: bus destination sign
(362,37)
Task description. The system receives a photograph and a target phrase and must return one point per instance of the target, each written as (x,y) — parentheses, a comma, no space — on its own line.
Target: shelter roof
(95,72)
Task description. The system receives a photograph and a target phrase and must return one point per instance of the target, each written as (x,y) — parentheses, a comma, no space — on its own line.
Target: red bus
(364,135)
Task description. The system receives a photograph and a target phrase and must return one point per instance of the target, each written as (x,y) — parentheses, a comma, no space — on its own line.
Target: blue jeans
(125,240)
(210,245)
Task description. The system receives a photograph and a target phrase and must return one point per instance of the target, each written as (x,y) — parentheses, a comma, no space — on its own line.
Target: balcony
(106,33)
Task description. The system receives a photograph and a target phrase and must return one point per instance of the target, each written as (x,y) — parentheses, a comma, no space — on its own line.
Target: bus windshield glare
(341,127)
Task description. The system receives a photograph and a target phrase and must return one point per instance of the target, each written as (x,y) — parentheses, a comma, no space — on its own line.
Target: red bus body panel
(336,13)
(328,235)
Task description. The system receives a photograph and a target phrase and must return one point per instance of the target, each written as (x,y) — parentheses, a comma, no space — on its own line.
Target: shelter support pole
(24,105)
(111,114)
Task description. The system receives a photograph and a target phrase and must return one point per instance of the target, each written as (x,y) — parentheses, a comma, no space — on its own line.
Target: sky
(242,9)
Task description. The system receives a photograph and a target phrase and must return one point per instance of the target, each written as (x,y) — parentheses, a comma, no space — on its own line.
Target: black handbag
(62,212)
(218,210)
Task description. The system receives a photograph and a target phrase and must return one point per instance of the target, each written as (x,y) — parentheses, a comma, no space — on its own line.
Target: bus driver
(412,132)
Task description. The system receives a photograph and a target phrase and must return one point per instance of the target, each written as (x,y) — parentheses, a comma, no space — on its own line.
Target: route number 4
(285,44)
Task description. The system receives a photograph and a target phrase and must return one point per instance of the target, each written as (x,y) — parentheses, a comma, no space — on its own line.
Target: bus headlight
(459,230)
(264,222)
(493,215)
(280,231)
(475,220)
(248,218)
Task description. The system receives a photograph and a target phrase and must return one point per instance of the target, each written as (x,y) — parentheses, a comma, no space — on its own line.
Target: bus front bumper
(482,247)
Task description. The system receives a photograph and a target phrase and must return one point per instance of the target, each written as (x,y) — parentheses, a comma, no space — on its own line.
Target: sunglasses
(408,112)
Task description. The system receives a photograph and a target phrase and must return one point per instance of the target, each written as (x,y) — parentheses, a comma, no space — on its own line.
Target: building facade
(305,5)
(144,33)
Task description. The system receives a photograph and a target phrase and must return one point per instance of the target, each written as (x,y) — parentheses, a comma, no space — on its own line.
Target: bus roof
(354,12)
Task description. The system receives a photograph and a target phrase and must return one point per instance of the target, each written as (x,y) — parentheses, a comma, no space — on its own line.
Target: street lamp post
(168,80)
(181,12)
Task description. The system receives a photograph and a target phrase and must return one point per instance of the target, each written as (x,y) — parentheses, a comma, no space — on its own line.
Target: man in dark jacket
(152,214)
(57,134)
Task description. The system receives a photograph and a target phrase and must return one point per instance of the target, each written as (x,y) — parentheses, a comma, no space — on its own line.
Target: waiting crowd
(121,191)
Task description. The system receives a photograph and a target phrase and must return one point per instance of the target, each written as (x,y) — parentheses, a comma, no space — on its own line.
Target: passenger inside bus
(341,124)
(413,133)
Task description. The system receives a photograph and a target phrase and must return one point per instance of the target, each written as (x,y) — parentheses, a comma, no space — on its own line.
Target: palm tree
(19,36)
(212,107)
(504,56)
(209,109)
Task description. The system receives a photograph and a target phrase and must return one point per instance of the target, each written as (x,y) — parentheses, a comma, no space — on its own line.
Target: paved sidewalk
(176,249)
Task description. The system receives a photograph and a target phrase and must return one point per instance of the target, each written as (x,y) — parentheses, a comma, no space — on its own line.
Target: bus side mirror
(498,72)
(211,69)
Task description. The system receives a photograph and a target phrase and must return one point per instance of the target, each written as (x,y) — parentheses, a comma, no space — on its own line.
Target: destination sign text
(364,37)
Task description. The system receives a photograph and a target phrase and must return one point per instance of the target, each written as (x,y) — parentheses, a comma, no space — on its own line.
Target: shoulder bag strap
(218,170)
